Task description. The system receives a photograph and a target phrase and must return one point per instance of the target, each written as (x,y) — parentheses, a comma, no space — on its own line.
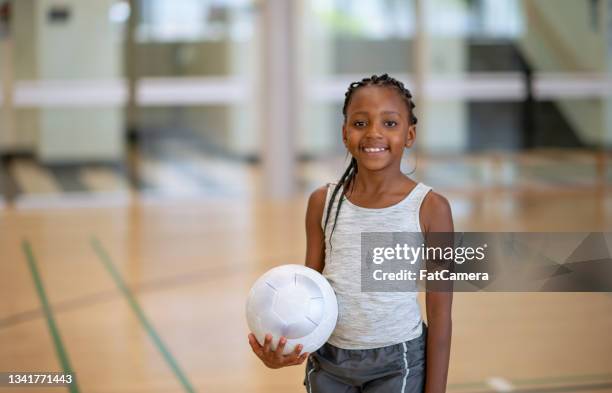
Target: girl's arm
(436,216)
(315,244)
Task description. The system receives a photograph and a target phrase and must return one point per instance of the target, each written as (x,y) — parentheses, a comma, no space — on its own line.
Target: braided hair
(351,171)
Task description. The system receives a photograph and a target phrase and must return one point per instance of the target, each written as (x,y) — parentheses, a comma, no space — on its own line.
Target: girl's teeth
(374,149)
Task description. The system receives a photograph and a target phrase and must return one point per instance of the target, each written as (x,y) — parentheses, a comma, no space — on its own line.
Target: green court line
(157,340)
(57,340)
(110,266)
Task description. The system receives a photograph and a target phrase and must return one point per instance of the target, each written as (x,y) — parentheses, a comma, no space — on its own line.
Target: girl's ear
(344,135)
(411,135)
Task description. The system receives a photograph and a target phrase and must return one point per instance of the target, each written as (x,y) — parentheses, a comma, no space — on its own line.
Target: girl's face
(377,127)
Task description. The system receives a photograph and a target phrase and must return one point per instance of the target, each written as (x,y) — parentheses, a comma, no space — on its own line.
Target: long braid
(349,174)
(346,178)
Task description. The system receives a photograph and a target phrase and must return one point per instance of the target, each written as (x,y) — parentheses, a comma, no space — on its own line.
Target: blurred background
(165,98)
(156,157)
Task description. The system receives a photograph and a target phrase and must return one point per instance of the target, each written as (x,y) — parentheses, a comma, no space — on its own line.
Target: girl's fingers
(267,342)
(300,359)
(253,340)
(280,347)
(295,354)
(254,344)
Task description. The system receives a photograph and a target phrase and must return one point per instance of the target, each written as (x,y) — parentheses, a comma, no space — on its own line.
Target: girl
(380,342)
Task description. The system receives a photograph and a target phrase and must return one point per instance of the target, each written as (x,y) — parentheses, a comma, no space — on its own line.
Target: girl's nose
(373,132)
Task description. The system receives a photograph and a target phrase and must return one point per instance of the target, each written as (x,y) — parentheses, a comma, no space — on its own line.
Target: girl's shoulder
(320,193)
(317,198)
(435,214)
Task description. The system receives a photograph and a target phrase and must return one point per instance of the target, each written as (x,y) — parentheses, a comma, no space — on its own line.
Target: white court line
(500,384)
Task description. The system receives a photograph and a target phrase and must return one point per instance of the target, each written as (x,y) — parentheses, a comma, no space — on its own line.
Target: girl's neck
(373,183)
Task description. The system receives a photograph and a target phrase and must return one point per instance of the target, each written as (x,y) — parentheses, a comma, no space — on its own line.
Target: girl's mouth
(375,150)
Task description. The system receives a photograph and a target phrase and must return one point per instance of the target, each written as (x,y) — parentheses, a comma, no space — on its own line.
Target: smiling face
(377,128)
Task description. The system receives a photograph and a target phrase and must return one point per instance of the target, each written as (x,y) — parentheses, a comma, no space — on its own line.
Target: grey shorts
(396,368)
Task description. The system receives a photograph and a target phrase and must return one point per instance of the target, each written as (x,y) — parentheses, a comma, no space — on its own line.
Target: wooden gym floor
(147,294)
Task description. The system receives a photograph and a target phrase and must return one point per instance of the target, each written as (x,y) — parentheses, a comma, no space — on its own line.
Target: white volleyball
(292,301)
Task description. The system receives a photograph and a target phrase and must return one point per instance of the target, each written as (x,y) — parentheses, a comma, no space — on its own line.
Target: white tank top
(369,319)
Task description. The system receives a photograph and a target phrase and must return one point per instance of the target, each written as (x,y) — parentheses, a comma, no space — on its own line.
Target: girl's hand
(276,359)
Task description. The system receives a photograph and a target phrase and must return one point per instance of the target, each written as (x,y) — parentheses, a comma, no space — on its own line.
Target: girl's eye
(391,123)
(359,123)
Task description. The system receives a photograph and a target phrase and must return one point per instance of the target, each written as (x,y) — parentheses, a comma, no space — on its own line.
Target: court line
(184,279)
(59,307)
(592,378)
(556,389)
(131,299)
(57,340)
(193,277)
(500,384)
